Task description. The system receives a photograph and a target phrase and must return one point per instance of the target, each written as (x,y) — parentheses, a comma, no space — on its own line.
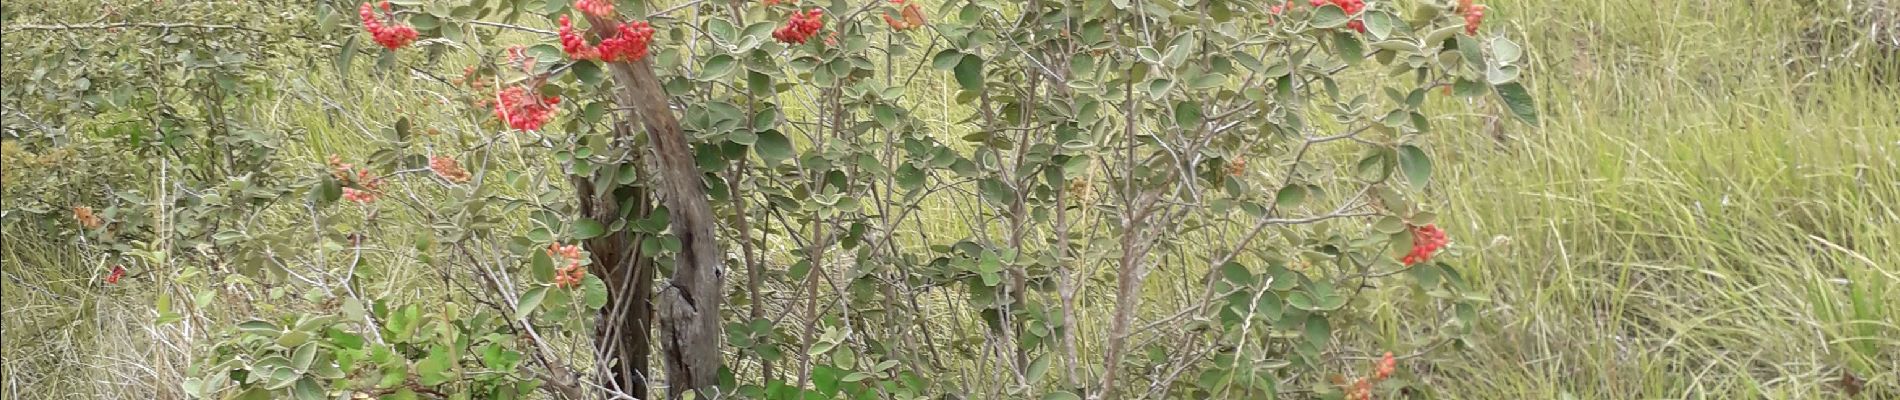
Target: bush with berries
(631,199)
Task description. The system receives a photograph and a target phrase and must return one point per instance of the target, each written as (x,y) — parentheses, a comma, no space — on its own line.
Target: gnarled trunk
(688,306)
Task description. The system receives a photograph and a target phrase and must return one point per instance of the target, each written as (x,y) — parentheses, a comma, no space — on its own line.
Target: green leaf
(1505,50)
(542,266)
(947,59)
(308,389)
(1380,24)
(1290,196)
(774,147)
(1417,165)
(1038,368)
(586,228)
(587,72)
(970,73)
(540,235)
(258,328)
(544,52)
(1329,16)
(1467,88)
(434,370)
(1519,100)
(996,191)
(345,57)
(301,358)
(1319,331)
(1188,114)
(1061,395)
(595,291)
(1178,50)
(718,67)
(1237,274)
(722,29)
(529,302)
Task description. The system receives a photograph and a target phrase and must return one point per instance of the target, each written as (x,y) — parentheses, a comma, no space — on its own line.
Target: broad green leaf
(541,235)
(1319,331)
(308,389)
(529,302)
(1290,196)
(1178,50)
(1237,274)
(542,266)
(947,59)
(969,73)
(595,291)
(1039,367)
(1329,16)
(1187,114)
(718,67)
(1417,165)
(1519,101)
(1380,24)
(587,72)
(774,147)
(345,57)
(301,358)
(586,228)
(1506,51)
(434,370)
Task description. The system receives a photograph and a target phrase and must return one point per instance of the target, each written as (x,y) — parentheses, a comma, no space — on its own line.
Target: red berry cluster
(359,185)
(1474,15)
(524,111)
(447,168)
(629,42)
(86,218)
(1362,389)
(911,17)
(118,271)
(572,274)
(598,8)
(393,36)
(1237,167)
(1425,241)
(801,26)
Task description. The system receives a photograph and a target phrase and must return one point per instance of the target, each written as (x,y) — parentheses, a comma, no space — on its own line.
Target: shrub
(867,169)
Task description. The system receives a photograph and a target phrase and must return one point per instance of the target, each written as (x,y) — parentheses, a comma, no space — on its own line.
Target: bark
(623,333)
(688,306)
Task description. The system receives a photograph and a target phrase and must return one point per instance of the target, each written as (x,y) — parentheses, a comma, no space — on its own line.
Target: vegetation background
(1709,210)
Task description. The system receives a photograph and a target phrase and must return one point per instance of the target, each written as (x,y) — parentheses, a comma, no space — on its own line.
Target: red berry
(1426,240)
(800,27)
(389,36)
(515,107)
(598,8)
(629,42)
(118,271)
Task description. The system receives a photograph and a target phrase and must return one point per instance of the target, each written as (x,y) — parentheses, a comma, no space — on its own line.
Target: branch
(121,25)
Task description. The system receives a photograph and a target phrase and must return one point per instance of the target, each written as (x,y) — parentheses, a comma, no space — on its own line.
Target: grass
(1708,212)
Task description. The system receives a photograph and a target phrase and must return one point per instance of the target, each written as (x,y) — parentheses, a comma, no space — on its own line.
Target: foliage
(1272,157)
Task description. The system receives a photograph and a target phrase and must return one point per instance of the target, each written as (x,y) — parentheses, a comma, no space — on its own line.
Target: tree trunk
(623,333)
(689,303)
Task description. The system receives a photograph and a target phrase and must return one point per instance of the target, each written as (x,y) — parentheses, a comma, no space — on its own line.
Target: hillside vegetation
(1709,208)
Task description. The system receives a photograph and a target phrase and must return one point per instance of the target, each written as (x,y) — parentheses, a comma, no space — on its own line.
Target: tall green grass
(1708,212)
